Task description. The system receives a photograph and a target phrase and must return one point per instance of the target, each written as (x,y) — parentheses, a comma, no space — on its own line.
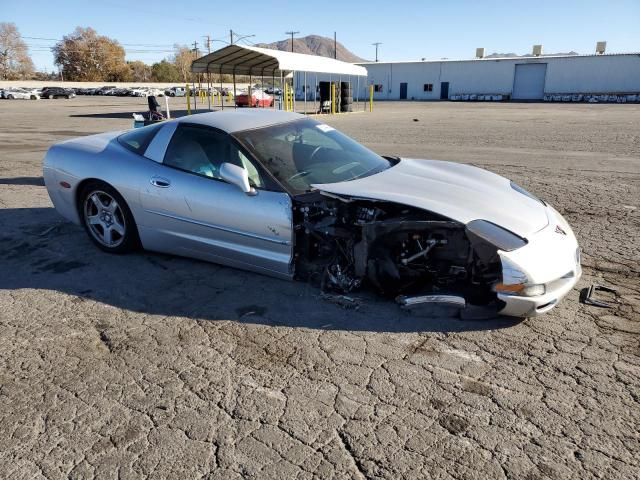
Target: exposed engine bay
(344,243)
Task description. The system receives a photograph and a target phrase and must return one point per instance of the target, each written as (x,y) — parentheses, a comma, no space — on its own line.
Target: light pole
(376,44)
(292,33)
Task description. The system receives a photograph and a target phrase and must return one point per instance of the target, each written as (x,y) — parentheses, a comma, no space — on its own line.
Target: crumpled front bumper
(551,258)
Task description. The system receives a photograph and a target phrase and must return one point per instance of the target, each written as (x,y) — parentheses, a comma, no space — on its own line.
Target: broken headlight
(520,289)
(495,235)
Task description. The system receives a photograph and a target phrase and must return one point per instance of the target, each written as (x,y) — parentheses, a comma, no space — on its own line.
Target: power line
(127,44)
(238,37)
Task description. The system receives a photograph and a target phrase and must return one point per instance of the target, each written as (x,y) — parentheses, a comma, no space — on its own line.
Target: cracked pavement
(147,365)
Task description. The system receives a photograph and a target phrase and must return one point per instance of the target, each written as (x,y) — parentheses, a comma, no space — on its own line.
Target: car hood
(457,191)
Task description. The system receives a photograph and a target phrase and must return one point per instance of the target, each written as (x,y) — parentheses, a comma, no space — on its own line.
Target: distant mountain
(314,45)
(507,55)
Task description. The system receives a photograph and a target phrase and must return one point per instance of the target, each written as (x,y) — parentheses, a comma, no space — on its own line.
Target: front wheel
(107,219)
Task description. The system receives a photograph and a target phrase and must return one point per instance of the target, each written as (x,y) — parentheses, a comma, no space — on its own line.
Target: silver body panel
(194,216)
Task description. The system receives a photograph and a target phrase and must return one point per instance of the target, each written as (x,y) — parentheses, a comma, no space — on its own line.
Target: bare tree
(182,58)
(15,62)
(86,56)
(140,71)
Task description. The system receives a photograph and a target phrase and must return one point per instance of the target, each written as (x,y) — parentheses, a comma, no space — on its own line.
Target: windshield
(305,152)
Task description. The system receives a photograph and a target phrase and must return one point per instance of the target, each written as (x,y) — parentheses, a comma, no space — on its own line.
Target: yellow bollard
(371,98)
(286,97)
(188,94)
(333,98)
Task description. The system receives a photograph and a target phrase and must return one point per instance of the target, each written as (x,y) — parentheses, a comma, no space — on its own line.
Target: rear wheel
(10,97)
(107,218)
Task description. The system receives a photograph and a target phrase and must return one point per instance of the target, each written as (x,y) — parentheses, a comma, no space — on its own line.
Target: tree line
(86,56)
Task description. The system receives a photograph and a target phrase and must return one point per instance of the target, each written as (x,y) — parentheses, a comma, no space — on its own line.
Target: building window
(428,87)
(377,88)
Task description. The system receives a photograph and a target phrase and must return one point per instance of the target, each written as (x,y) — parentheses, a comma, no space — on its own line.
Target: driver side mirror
(237,176)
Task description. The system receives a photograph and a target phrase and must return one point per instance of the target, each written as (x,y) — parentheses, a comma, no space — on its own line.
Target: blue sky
(408,29)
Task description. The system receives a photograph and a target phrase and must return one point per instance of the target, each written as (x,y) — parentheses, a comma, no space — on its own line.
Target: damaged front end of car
(402,252)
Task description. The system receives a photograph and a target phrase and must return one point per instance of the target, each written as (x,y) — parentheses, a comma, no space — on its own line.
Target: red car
(258,99)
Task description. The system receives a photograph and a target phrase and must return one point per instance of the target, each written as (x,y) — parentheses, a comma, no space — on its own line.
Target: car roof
(243,119)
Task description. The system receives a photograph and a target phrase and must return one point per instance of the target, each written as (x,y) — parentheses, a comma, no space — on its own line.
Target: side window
(138,139)
(198,150)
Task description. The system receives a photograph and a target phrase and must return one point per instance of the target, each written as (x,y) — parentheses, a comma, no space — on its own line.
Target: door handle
(160,182)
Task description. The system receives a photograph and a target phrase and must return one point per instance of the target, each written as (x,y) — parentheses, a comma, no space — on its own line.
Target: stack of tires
(346,97)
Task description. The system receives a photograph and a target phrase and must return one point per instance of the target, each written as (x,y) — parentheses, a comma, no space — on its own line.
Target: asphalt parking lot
(153,366)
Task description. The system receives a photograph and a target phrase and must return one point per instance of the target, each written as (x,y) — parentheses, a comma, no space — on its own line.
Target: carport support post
(305,93)
(209,89)
(315,96)
(273,85)
(281,90)
(220,96)
(357,90)
(293,92)
(195,101)
(234,87)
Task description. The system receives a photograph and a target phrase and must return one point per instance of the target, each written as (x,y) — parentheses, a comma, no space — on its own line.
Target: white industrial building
(562,77)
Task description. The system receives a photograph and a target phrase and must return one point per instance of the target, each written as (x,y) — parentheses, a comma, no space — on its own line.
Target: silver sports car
(285,195)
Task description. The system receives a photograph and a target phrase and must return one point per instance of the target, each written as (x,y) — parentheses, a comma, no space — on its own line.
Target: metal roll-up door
(528,83)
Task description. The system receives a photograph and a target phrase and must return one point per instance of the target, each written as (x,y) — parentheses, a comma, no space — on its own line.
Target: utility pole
(208,37)
(241,37)
(376,44)
(195,48)
(292,33)
(335,46)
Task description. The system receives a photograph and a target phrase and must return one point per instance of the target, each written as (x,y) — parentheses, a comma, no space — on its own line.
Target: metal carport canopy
(245,60)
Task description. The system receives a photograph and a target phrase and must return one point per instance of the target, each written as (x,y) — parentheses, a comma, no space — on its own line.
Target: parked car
(106,90)
(57,92)
(258,99)
(140,92)
(176,92)
(282,194)
(21,94)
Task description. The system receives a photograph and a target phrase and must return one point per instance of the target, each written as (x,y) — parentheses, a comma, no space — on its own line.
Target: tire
(110,227)
(33,97)
(67,97)
(50,97)
(10,97)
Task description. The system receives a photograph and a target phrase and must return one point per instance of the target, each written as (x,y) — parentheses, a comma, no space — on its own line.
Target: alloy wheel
(104,218)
